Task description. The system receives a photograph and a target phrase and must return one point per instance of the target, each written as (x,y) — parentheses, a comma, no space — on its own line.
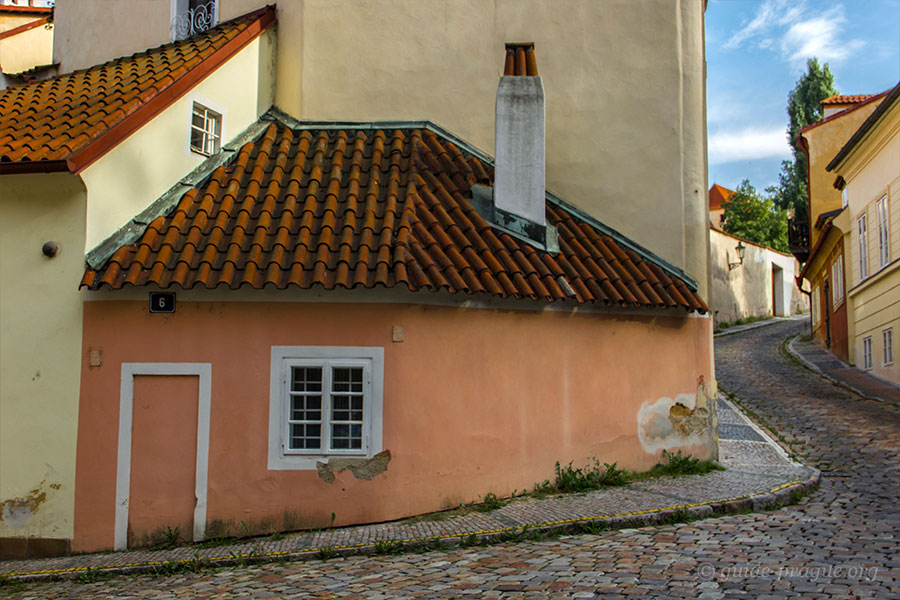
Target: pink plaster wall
(475,401)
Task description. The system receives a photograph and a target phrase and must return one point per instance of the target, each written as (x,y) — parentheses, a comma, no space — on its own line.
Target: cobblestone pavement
(841,542)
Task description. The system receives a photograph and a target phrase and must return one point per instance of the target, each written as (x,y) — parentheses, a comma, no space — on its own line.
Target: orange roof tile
(367,207)
(718,195)
(65,123)
(841,99)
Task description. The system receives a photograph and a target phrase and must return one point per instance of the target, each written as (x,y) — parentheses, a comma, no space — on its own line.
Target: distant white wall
(762,286)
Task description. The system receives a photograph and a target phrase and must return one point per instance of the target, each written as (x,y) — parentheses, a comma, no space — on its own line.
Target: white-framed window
(814,305)
(867,352)
(887,337)
(845,198)
(324,401)
(206,130)
(862,227)
(884,241)
(190,17)
(837,280)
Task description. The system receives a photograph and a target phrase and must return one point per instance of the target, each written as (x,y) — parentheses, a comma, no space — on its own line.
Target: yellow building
(823,249)
(868,175)
(26,37)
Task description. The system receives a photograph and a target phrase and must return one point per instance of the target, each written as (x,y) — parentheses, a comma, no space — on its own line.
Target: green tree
(804,108)
(756,218)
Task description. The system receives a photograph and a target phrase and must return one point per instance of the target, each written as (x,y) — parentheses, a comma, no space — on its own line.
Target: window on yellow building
(867,352)
(837,280)
(884,250)
(887,336)
(863,229)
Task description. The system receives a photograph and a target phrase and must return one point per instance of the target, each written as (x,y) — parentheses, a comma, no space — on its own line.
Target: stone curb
(758,324)
(839,382)
(776,497)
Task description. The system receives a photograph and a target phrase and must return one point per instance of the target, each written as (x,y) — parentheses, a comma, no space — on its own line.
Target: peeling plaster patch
(362,468)
(668,423)
(17,513)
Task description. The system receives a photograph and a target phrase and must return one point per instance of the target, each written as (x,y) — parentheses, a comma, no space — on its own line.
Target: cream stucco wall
(139,170)
(25,50)
(825,141)
(40,348)
(624,80)
(747,290)
(872,171)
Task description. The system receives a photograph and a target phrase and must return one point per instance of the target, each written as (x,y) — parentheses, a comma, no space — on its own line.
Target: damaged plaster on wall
(361,468)
(668,423)
(17,513)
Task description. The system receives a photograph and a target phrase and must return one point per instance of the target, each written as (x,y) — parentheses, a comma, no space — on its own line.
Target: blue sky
(756,50)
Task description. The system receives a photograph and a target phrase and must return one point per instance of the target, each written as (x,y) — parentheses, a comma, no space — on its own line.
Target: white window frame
(371,358)
(884,231)
(887,339)
(845,197)
(837,280)
(211,131)
(867,353)
(862,230)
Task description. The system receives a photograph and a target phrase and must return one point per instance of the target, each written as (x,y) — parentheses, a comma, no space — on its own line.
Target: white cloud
(818,37)
(751,143)
(797,31)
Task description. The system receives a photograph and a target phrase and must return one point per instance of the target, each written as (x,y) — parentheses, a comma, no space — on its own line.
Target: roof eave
(863,130)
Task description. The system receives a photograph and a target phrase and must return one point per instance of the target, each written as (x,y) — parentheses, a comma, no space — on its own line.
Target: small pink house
(338,323)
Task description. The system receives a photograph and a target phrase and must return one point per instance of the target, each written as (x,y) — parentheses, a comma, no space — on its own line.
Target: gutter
(23,28)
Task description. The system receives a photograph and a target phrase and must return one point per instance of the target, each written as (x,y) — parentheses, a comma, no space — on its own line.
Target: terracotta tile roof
(520,60)
(353,207)
(67,122)
(841,99)
(718,195)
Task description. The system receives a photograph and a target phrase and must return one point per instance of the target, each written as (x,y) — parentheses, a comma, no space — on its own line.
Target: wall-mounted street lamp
(740,254)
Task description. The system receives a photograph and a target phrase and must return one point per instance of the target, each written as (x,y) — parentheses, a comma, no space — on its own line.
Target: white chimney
(519,186)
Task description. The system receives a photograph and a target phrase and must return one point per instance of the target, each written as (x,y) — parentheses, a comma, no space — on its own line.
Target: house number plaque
(162,302)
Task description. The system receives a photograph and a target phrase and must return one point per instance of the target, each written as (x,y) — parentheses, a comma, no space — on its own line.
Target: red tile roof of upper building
(67,122)
(718,195)
(367,206)
(842,99)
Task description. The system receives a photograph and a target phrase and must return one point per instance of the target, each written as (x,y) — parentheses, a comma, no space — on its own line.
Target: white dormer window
(190,17)
(206,130)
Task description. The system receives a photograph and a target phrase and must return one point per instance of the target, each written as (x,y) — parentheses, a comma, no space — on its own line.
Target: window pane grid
(326,405)
(206,130)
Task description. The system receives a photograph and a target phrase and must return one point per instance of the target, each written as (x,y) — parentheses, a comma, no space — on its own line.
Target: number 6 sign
(162,302)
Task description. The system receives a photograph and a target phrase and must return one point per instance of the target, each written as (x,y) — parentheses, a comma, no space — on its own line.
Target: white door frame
(126,410)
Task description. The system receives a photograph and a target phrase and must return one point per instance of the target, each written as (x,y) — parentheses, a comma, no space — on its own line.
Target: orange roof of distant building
(67,122)
(374,206)
(842,99)
(718,195)
(865,99)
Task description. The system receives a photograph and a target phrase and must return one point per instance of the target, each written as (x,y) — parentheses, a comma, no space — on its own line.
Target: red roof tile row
(367,208)
(844,99)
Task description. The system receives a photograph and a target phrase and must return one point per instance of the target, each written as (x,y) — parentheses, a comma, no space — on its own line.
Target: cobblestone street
(840,542)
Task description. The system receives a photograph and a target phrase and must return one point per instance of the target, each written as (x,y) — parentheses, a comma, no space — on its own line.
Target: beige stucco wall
(747,290)
(25,50)
(872,172)
(624,80)
(139,170)
(40,317)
